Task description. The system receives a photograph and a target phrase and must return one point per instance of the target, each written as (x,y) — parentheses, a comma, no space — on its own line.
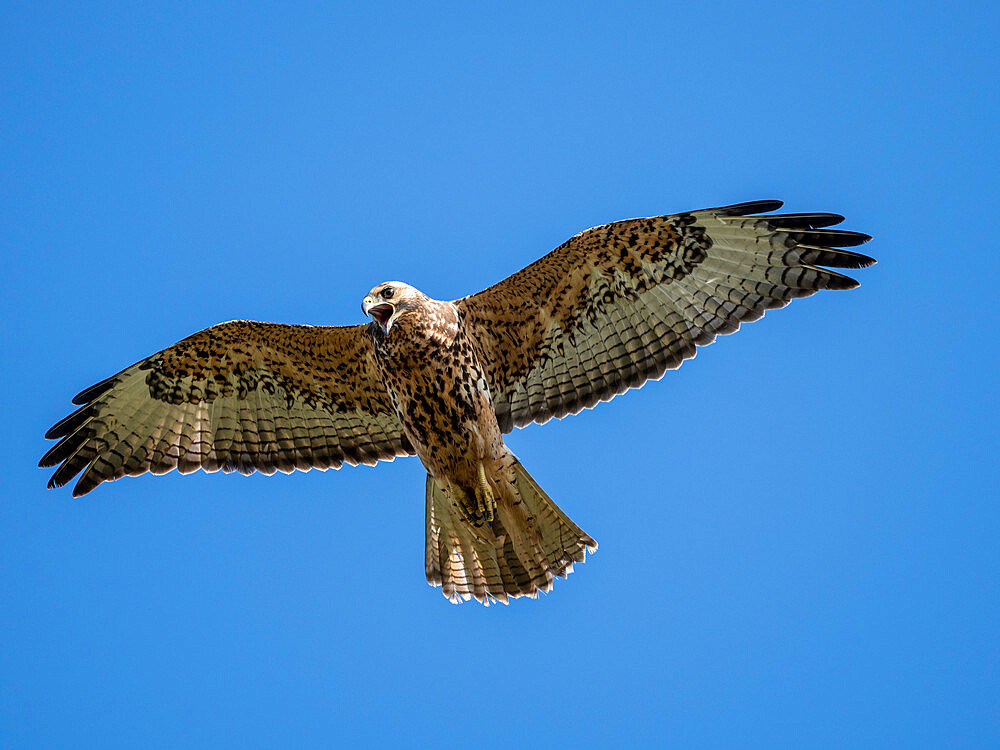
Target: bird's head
(390,299)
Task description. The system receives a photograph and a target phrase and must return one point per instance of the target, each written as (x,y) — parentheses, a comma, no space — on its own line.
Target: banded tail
(529,542)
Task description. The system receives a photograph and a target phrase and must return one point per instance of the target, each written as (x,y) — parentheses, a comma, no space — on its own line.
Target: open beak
(380,312)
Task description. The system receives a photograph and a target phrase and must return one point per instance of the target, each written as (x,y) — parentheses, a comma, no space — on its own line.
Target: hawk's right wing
(239,396)
(622,303)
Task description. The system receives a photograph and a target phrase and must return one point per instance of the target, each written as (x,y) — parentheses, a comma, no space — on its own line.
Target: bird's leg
(485,502)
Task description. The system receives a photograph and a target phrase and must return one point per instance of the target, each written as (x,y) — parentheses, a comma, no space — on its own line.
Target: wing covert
(240,396)
(622,303)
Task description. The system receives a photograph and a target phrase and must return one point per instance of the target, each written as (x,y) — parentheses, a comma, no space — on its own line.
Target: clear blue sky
(799,529)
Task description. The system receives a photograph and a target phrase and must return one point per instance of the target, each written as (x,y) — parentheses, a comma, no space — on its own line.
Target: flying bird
(605,311)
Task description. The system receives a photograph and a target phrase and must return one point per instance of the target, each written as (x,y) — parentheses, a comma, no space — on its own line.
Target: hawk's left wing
(240,396)
(621,303)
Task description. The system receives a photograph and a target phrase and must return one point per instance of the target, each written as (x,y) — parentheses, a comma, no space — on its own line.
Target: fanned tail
(527,545)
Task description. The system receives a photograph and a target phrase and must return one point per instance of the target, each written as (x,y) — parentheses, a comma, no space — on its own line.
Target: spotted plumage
(609,309)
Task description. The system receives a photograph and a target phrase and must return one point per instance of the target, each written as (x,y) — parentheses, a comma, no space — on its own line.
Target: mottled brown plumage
(609,309)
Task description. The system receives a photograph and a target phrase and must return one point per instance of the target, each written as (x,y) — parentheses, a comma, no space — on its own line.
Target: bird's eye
(388,292)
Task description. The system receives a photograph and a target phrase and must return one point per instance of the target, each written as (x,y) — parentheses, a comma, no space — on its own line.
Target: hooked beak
(380,312)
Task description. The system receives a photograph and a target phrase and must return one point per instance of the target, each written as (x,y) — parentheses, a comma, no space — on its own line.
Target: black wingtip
(829,237)
(89,394)
(838,282)
(804,221)
(833,257)
(746,209)
(69,423)
(864,261)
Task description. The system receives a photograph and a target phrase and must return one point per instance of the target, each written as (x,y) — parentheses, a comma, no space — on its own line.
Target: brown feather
(621,303)
(242,396)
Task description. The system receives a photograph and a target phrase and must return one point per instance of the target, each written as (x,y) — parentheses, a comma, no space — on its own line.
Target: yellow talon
(485,502)
(463,499)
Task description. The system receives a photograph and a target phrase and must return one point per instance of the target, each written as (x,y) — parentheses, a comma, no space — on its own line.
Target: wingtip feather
(748,208)
(89,394)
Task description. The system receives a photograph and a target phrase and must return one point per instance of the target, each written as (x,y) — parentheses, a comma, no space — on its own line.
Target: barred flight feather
(621,303)
(241,396)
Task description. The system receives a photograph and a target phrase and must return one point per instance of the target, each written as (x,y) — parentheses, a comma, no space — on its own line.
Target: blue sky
(798,528)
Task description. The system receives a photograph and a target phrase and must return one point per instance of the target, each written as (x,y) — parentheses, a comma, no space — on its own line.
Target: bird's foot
(486,503)
(480,508)
(462,499)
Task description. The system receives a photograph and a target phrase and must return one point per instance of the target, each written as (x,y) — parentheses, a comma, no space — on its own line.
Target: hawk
(606,311)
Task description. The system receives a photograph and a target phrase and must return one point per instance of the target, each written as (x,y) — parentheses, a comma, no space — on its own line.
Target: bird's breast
(441,396)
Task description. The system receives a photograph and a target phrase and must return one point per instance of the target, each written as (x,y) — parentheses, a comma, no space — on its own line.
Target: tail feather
(529,543)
